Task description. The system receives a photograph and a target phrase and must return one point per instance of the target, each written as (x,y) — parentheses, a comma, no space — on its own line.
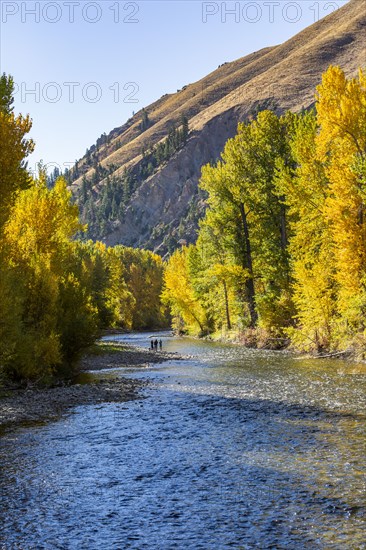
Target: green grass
(104,348)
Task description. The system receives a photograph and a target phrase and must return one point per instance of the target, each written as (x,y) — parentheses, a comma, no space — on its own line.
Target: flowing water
(231,448)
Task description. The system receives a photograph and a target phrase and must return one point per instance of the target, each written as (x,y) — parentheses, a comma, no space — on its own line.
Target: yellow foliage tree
(341,148)
(325,194)
(36,237)
(305,190)
(13,150)
(188,313)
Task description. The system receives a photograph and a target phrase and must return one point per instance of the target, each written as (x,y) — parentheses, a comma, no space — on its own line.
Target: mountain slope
(156,199)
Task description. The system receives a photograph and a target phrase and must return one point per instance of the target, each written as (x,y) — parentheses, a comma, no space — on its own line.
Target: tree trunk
(249,265)
(228,322)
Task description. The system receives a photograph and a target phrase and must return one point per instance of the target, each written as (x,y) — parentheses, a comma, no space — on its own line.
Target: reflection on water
(233,448)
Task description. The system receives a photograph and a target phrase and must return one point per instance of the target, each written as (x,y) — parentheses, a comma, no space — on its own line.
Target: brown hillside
(163,208)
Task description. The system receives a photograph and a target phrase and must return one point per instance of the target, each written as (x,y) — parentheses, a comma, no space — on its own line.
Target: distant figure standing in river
(160,344)
(156,344)
(152,344)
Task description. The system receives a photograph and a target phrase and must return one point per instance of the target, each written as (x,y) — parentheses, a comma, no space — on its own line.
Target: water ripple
(232,449)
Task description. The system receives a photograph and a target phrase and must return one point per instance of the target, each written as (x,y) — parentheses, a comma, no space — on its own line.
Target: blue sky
(91,64)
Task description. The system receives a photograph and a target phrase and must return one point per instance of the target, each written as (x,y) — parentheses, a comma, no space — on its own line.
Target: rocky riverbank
(20,407)
(110,354)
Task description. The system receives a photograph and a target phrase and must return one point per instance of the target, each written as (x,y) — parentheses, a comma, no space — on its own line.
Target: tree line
(281,249)
(57,293)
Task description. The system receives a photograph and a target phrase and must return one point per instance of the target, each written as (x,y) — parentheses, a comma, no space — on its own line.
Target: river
(231,448)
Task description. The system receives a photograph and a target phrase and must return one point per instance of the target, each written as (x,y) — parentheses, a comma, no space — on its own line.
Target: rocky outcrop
(160,207)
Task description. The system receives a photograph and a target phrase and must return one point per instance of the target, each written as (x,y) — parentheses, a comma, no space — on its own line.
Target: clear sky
(82,68)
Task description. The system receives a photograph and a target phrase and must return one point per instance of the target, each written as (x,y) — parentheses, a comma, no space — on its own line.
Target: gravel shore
(21,407)
(124,356)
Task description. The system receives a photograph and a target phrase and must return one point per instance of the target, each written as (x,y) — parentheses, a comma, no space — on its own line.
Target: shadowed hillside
(139,184)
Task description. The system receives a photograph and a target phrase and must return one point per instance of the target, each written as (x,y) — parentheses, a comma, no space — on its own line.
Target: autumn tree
(142,271)
(187,310)
(305,188)
(282,245)
(241,191)
(341,148)
(15,147)
(35,236)
(216,276)
(325,195)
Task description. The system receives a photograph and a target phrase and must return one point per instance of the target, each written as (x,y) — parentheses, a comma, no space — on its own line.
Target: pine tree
(185,128)
(145,122)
